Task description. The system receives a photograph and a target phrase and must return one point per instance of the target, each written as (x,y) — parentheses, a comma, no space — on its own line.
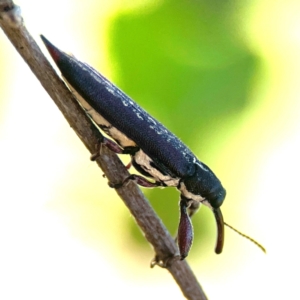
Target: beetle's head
(204,184)
(205,187)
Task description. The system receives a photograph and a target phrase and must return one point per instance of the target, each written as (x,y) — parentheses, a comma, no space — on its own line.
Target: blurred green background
(224,77)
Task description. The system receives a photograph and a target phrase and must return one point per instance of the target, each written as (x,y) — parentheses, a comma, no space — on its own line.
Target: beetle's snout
(220,230)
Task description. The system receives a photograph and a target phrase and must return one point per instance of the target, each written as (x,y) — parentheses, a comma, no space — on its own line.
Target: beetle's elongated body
(155,151)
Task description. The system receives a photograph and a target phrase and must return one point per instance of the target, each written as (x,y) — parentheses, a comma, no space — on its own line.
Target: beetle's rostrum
(155,151)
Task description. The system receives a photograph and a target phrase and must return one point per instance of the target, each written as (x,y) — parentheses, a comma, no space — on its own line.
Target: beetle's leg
(114,147)
(140,180)
(193,208)
(111,145)
(185,233)
(185,228)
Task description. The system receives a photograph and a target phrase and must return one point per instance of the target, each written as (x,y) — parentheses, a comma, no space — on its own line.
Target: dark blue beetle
(155,151)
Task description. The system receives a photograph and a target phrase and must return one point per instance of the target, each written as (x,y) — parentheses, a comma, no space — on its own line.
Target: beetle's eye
(216,199)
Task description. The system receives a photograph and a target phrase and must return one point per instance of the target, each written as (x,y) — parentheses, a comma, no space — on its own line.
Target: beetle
(155,152)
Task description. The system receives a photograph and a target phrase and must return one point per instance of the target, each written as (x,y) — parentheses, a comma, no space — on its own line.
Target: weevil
(156,153)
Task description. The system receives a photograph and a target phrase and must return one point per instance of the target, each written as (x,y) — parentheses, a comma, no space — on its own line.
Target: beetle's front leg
(185,233)
(193,207)
(185,229)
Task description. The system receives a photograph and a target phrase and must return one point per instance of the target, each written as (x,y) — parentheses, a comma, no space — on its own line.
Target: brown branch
(155,232)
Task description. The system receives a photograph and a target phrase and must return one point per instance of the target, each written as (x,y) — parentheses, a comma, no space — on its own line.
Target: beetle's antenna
(247,237)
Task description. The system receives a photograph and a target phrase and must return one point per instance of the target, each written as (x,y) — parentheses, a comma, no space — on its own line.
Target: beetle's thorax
(189,195)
